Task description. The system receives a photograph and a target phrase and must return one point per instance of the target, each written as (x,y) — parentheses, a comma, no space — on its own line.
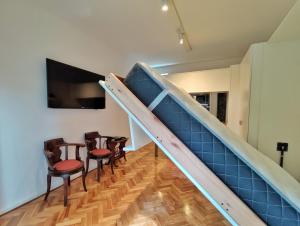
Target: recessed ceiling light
(165,6)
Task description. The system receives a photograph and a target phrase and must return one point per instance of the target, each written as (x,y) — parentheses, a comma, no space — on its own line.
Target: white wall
(275,96)
(254,71)
(234,100)
(28,36)
(203,81)
(217,80)
(274,109)
(280,109)
(244,91)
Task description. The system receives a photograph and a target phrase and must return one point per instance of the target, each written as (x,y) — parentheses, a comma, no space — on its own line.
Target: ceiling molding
(199,65)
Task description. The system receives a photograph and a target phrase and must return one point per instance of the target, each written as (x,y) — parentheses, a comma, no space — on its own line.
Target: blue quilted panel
(243,181)
(141,85)
(240,178)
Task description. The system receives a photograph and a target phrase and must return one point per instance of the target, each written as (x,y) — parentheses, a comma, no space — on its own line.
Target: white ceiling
(140,31)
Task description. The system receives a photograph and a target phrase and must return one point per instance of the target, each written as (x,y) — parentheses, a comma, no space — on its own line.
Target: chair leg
(83,179)
(87,165)
(101,163)
(98,169)
(69,181)
(114,162)
(48,186)
(125,156)
(112,165)
(156,150)
(66,190)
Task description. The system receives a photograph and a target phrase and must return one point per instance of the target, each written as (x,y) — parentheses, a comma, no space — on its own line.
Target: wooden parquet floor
(144,191)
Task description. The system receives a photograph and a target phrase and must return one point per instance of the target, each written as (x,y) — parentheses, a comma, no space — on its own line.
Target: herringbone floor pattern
(144,191)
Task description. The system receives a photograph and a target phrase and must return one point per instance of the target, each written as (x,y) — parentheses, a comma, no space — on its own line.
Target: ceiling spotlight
(180,36)
(181,41)
(165,6)
(164,74)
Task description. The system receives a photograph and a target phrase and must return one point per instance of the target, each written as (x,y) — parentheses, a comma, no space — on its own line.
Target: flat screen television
(72,87)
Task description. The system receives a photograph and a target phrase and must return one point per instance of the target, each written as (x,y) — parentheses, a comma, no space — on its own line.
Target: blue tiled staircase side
(240,178)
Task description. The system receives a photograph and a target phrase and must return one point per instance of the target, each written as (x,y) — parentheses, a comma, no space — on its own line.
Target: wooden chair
(98,152)
(62,168)
(116,146)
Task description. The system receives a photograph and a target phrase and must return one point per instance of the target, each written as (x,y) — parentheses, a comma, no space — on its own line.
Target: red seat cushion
(101,152)
(68,165)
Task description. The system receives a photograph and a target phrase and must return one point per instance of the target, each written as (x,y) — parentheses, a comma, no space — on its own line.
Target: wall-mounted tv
(72,87)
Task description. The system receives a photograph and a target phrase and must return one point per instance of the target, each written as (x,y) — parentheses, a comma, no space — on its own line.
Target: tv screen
(71,87)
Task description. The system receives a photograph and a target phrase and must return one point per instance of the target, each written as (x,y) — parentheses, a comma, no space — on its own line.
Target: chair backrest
(52,150)
(123,143)
(117,144)
(91,140)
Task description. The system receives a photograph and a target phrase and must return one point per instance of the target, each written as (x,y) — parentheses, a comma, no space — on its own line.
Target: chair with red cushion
(62,168)
(97,150)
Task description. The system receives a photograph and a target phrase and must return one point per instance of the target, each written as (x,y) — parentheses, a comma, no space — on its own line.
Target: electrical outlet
(282,146)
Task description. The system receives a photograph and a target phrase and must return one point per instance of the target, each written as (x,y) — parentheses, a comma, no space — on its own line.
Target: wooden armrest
(119,139)
(76,144)
(107,137)
(71,144)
